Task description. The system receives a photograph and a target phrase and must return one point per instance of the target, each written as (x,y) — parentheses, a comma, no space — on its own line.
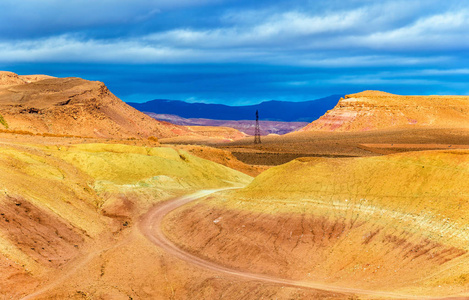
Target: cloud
(139,51)
(274,30)
(40,19)
(445,31)
(382,44)
(71,49)
(365,29)
(366,34)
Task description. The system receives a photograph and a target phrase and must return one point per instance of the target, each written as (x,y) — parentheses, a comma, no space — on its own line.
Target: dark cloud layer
(241,51)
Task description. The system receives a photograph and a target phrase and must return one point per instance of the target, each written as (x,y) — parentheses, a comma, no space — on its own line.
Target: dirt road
(151,228)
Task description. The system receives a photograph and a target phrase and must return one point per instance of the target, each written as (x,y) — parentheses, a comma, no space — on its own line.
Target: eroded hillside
(73,107)
(394,224)
(65,207)
(371,110)
(107,220)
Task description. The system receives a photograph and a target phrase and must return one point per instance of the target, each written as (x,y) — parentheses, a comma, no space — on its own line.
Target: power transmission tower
(257,133)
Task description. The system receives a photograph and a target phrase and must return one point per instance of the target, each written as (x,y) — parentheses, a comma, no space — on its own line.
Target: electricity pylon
(257,132)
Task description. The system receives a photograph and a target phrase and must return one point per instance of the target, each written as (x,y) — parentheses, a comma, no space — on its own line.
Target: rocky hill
(42,104)
(10,78)
(370,110)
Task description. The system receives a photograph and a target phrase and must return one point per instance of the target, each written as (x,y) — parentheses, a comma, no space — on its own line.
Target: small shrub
(153,139)
(3,122)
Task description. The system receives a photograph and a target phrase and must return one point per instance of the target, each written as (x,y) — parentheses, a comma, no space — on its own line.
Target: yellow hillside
(391,223)
(48,216)
(124,164)
(410,182)
(62,206)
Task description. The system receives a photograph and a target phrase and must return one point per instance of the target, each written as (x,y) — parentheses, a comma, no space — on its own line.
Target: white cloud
(373,80)
(74,49)
(444,72)
(367,28)
(69,49)
(437,32)
(362,36)
(440,73)
(379,60)
(297,83)
(275,29)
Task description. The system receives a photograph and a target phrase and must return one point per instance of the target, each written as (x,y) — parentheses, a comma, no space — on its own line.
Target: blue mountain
(306,111)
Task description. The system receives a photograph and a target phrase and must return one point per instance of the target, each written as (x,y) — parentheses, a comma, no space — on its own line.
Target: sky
(241,52)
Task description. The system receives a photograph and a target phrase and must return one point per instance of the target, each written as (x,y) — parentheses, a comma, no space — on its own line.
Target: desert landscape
(100,201)
(234,150)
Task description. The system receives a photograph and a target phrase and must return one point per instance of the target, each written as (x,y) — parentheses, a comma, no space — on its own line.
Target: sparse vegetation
(153,139)
(3,122)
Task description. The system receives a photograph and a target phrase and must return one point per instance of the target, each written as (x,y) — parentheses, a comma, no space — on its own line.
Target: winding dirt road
(151,228)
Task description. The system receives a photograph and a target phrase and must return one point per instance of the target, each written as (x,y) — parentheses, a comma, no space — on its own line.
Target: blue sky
(240,51)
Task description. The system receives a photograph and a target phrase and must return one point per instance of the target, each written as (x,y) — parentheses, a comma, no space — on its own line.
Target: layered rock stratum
(371,110)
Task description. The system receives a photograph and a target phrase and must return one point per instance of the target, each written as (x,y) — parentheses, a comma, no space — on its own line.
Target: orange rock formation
(73,106)
(370,110)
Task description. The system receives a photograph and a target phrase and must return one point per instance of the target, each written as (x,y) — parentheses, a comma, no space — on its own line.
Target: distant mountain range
(284,111)
(246,126)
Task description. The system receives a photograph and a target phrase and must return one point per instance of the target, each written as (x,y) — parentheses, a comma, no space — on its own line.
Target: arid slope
(391,223)
(73,106)
(48,216)
(223,157)
(371,110)
(65,207)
